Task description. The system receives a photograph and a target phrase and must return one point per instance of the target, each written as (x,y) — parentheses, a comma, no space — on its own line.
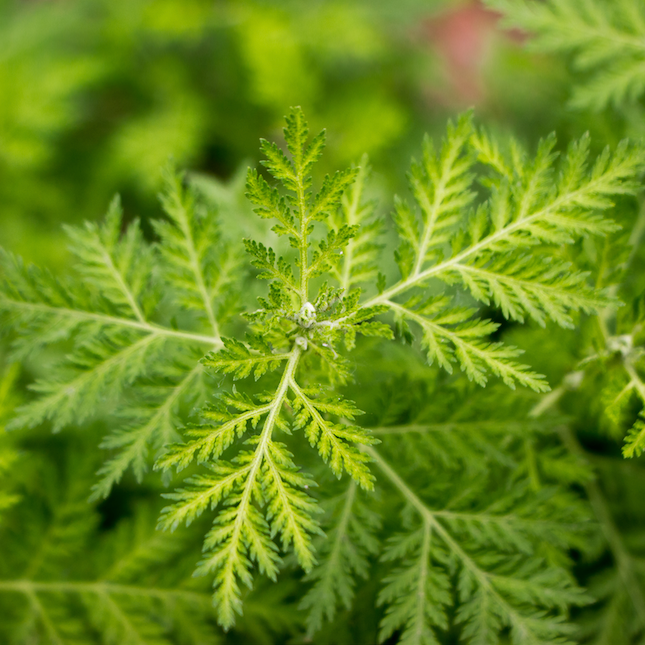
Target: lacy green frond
(344,556)
(605,40)
(522,287)
(635,440)
(150,422)
(113,594)
(261,494)
(416,593)
(117,267)
(272,268)
(336,442)
(265,474)
(241,359)
(501,581)
(452,335)
(297,212)
(329,251)
(442,188)
(227,417)
(192,265)
(126,354)
(153,336)
(463,438)
(504,250)
(101,368)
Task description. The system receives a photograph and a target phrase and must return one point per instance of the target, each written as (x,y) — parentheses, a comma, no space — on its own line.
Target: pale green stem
(150,328)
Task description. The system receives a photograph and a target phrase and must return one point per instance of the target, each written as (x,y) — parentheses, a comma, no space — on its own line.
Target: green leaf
(242,359)
(126,358)
(360,256)
(635,440)
(349,543)
(334,441)
(604,40)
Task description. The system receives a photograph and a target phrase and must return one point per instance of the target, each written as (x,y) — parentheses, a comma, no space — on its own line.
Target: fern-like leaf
(501,582)
(529,207)
(343,558)
(125,352)
(131,585)
(261,494)
(358,264)
(604,38)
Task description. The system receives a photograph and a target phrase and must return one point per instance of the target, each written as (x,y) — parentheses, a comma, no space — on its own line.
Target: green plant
(605,39)
(482,555)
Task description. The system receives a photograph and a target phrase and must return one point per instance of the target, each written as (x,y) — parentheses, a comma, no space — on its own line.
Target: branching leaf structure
(127,349)
(498,252)
(605,38)
(262,490)
(360,262)
(488,225)
(133,584)
(348,546)
(495,590)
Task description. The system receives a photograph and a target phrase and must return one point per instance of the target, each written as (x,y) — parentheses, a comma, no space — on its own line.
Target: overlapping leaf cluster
(488,249)
(501,251)
(132,585)
(488,226)
(261,491)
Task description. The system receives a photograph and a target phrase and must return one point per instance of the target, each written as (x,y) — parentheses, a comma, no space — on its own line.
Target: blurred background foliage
(97,95)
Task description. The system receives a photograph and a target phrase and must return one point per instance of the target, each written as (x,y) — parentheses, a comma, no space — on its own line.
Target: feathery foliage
(502,580)
(493,252)
(526,208)
(133,584)
(345,555)
(488,226)
(605,39)
(288,325)
(418,422)
(128,350)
